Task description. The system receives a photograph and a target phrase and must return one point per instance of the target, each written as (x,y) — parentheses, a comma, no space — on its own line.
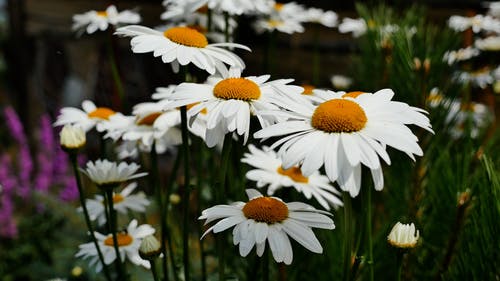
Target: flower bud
(72,137)
(150,248)
(403,236)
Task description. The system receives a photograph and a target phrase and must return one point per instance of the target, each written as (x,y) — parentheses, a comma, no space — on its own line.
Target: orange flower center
(123,239)
(117,198)
(278,6)
(339,116)
(101,113)
(186,36)
(149,119)
(294,173)
(275,23)
(266,209)
(352,94)
(308,89)
(102,13)
(237,89)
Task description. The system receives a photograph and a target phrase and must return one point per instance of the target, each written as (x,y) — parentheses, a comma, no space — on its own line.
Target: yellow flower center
(237,89)
(102,13)
(117,198)
(101,113)
(123,239)
(278,6)
(339,116)
(352,94)
(149,119)
(186,36)
(275,23)
(294,173)
(308,89)
(266,209)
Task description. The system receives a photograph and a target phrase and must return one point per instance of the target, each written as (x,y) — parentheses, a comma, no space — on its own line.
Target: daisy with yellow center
(344,132)
(269,172)
(92,21)
(326,18)
(181,46)
(269,219)
(123,202)
(129,242)
(91,116)
(230,101)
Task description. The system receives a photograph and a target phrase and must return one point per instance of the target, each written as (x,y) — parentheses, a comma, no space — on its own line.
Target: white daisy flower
(477,23)
(358,27)
(481,78)
(238,7)
(344,132)
(123,202)
(326,18)
(106,173)
(493,8)
(92,21)
(341,82)
(288,26)
(179,10)
(460,55)
(403,235)
(230,101)
(128,244)
(491,43)
(270,173)
(290,10)
(181,46)
(88,118)
(271,219)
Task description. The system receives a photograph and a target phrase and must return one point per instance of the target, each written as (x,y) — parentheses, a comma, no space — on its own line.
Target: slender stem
(187,190)
(281,272)
(265,267)
(347,234)
(114,71)
(73,158)
(112,212)
(219,192)
(368,224)
(106,212)
(153,270)
(159,197)
(169,187)
(199,181)
(399,263)
(316,58)
(226,27)
(209,20)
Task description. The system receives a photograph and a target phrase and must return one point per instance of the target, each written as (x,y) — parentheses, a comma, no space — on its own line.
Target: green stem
(348,234)
(114,71)
(265,267)
(399,264)
(226,27)
(219,192)
(186,192)
(209,20)
(169,187)
(74,164)
(112,212)
(368,224)
(153,270)
(316,58)
(159,196)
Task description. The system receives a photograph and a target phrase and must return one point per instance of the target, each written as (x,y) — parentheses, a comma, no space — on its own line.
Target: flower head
(105,173)
(72,137)
(343,131)
(403,235)
(128,245)
(230,101)
(269,218)
(150,248)
(122,202)
(91,116)
(269,172)
(92,21)
(182,45)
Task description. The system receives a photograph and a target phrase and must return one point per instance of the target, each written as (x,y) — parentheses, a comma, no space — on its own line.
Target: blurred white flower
(491,43)
(340,82)
(358,27)
(460,55)
(92,21)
